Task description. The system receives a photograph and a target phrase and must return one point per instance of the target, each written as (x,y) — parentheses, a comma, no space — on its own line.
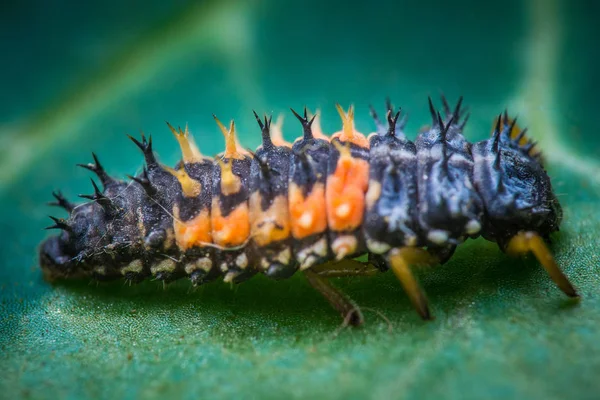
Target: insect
(314,206)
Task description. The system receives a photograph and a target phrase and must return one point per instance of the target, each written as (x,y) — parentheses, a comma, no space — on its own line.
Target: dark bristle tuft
(61,201)
(106,203)
(306,123)
(146,147)
(392,122)
(445,105)
(512,126)
(496,136)
(462,125)
(144,181)
(520,136)
(457,110)
(379,126)
(59,223)
(97,168)
(440,123)
(388,104)
(265,129)
(435,120)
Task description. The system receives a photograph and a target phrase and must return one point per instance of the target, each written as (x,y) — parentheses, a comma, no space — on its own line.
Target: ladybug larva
(313,207)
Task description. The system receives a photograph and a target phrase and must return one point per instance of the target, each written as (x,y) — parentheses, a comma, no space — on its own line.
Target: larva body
(313,205)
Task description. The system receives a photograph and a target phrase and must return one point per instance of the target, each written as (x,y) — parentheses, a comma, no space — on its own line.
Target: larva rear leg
(338,300)
(400,260)
(525,242)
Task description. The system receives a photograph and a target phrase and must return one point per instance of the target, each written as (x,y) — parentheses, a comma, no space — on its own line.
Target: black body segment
(450,210)
(306,193)
(269,207)
(193,233)
(230,218)
(347,184)
(391,218)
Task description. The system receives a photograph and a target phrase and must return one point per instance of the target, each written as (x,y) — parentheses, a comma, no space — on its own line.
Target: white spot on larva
(284,256)
(265,263)
(230,276)
(320,247)
(204,263)
(307,257)
(344,246)
(472,227)
(242,261)
(100,269)
(223,267)
(306,220)
(190,267)
(343,210)
(377,247)
(135,266)
(410,240)
(166,265)
(307,262)
(438,236)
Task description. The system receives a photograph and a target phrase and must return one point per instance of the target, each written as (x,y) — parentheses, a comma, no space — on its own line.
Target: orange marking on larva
(307,214)
(349,133)
(277,133)
(345,194)
(270,225)
(231,230)
(193,233)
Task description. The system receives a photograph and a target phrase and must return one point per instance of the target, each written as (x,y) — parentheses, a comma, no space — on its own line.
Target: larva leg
(345,268)
(338,300)
(526,242)
(400,261)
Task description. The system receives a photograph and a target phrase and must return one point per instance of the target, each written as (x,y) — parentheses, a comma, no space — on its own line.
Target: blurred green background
(76,77)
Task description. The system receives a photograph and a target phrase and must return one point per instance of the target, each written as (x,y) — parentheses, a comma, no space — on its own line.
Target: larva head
(55,255)
(61,255)
(120,223)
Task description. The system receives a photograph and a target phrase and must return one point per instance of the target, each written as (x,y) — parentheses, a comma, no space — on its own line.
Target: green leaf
(501,329)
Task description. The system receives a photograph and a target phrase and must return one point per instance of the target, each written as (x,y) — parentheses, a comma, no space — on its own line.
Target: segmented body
(287,208)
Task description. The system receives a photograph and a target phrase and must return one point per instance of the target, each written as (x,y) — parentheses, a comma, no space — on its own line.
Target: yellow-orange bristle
(190,187)
(189,150)
(230,182)
(347,121)
(231,148)
(342,148)
(348,133)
